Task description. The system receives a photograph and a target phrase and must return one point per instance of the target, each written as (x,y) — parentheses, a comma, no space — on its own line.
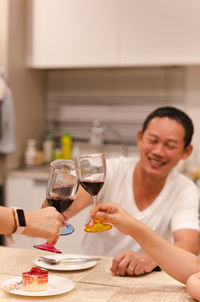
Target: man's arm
(82,200)
(187,239)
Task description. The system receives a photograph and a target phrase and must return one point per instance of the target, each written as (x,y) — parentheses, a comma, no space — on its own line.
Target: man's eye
(171,147)
(153,141)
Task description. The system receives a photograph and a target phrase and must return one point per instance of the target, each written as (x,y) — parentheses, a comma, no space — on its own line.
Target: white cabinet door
(27,194)
(159,32)
(72,33)
(19,192)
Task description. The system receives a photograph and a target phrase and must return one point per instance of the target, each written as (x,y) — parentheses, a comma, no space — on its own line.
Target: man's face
(161,146)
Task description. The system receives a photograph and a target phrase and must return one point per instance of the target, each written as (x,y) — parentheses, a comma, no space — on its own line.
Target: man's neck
(147,181)
(146,188)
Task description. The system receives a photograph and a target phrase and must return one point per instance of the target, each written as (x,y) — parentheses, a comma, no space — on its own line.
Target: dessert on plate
(35,280)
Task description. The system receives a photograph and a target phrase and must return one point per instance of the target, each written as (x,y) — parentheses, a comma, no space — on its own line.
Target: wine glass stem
(94,199)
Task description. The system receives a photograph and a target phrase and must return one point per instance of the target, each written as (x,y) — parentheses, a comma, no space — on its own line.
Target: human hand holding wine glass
(61,191)
(91,170)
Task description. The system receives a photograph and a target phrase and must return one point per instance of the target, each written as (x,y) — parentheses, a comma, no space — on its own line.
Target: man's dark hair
(176,115)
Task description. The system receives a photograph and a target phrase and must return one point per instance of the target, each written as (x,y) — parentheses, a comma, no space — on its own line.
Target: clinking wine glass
(61,191)
(91,170)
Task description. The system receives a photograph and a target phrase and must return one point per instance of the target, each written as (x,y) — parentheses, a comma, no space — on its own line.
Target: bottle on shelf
(57,153)
(30,152)
(66,142)
(97,134)
(48,147)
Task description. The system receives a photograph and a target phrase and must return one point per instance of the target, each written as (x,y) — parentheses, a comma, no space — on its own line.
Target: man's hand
(132,263)
(193,286)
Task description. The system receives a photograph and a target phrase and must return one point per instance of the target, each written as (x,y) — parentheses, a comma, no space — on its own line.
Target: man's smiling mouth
(156,162)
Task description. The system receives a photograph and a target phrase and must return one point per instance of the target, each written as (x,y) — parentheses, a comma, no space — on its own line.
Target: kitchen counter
(110,150)
(37,173)
(95,284)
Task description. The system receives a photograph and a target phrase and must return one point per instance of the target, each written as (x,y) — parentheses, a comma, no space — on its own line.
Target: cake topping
(36,271)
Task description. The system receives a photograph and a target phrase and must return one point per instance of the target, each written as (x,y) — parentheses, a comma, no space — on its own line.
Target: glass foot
(97,227)
(47,247)
(67,230)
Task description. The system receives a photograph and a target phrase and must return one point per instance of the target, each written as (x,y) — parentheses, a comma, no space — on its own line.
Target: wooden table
(95,284)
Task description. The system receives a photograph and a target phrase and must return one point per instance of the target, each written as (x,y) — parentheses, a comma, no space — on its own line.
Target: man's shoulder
(180,179)
(121,163)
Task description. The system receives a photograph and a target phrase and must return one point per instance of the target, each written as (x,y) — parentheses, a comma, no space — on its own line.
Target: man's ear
(187,152)
(139,137)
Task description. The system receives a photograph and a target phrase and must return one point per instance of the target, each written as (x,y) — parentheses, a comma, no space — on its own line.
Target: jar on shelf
(30,152)
(97,133)
(48,147)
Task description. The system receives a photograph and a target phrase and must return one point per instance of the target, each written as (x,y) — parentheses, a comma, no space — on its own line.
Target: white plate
(62,266)
(56,286)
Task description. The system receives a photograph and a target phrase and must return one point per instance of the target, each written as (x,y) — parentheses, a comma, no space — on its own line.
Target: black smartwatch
(20,224)
(20,220)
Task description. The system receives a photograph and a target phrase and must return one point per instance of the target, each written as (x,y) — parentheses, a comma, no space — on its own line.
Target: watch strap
(20,220)
(20,224)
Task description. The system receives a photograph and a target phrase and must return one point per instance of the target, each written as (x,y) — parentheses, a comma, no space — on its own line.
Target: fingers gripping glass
(61,191)
(91,170)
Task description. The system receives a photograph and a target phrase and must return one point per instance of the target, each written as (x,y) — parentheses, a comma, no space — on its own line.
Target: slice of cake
(35,280)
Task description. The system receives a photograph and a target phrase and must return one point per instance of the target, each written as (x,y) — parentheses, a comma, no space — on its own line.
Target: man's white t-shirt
(176,207)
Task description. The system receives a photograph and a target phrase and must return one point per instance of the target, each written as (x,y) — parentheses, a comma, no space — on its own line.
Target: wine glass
(91,170)
(61,191)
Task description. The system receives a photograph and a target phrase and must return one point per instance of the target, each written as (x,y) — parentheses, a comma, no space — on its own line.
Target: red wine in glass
(61,191)
(60,203)
(92,187)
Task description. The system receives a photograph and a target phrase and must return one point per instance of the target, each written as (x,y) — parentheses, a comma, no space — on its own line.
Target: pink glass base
(47,247)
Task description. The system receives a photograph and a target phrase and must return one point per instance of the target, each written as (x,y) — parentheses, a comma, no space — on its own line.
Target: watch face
(21,218)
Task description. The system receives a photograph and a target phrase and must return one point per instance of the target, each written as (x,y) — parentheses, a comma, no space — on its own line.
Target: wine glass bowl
(62,185)
(61,191)
(91,171)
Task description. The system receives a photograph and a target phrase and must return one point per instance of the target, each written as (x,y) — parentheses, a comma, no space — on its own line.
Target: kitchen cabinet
(26,189)
(159,32)
(66,33)
(111,33)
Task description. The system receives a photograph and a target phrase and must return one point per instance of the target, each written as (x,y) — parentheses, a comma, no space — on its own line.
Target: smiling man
(151,190)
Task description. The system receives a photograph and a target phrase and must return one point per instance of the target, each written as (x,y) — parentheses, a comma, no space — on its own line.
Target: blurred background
(80,76)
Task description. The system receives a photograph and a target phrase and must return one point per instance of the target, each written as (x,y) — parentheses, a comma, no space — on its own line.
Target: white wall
(4,34)
(27,85)
(192,105)
(4,10)
(120,98)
